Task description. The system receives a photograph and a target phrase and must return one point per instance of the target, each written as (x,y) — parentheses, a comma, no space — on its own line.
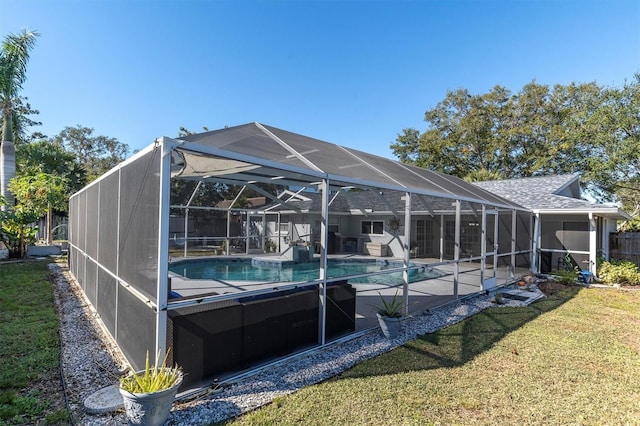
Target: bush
(566,277)
(619,272)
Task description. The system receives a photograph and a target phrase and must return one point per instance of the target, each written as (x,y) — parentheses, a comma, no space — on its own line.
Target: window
(470,237)
(284,225)
(373,227)
(334,224)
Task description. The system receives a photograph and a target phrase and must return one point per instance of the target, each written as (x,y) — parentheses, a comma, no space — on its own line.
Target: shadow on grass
(459,343)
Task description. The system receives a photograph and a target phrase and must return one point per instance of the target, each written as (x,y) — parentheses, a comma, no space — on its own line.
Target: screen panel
(91,278)
(107,250)
(139,223)
(136,324)
(107,286)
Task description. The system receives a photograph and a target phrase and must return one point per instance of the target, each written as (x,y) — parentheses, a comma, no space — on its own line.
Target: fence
(625,246)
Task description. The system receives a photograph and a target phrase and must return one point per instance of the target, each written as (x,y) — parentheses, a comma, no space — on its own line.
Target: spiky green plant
(390,308)
(153,378)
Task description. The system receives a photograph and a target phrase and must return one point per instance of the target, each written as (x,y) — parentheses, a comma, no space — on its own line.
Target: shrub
(566,276)
(153,378)
(619,272)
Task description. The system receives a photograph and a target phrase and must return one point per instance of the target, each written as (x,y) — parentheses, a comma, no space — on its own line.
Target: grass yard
(29,347)
(571,358)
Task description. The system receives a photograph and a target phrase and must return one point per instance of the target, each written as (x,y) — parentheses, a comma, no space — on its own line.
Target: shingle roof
(386,201)
(541,193)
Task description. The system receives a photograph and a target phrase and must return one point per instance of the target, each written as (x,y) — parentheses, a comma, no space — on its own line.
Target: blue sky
(355,73)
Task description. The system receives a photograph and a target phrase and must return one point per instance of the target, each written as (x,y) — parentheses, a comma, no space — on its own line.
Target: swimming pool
(240,269)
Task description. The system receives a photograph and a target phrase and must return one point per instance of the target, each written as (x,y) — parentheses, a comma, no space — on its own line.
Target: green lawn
(572,358)
(29,345)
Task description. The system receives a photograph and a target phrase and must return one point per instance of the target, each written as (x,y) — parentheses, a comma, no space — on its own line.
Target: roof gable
(550,193)
(538,185)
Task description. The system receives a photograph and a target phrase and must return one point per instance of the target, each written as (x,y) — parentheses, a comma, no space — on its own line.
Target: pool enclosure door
(490,250)
(255,233)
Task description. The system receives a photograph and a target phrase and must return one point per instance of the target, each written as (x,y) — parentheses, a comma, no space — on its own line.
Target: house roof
(364,202)
(255,152)
(549,194)
(251,202)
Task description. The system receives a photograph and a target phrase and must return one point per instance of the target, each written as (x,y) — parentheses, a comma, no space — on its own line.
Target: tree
(17,227)
(21,122)
(14,57)
(98,153)
(540,130)
(45,156)
(615,163)
(41,194)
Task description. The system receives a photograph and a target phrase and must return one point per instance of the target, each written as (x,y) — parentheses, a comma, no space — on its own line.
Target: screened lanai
(240,246)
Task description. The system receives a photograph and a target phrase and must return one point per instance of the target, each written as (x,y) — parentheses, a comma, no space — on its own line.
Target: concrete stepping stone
(106,400)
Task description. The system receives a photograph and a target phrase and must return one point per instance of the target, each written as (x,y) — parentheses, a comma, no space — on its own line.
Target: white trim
(514,227)
(593,243)
(602,211)
(407,252)
(456,251)
(162,279)
(324,239)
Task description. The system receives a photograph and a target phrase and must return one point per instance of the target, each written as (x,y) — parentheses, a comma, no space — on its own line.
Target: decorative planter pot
(151,409)
(390,327)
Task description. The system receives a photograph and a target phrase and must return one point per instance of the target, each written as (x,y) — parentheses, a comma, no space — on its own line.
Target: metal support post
(407,252)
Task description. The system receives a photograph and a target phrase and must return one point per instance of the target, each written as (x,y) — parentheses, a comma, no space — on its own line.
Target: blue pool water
(245,270)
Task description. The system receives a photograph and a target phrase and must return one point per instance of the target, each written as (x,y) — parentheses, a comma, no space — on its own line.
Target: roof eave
(613,212)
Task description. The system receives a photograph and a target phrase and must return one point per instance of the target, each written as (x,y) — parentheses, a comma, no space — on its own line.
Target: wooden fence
(625,246)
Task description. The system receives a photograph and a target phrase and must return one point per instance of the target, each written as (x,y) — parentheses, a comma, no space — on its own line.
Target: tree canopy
(540,130)
(98,153)
(45,156)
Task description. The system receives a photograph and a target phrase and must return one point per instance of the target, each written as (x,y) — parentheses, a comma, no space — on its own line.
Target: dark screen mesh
(72,259)
(136,329)
(72,220)
(523,260)
(82,220)
(80,262)
(107,300)
(523,231)
(139,206)
(107,252)
(92,221)
(91,278)
(504,232)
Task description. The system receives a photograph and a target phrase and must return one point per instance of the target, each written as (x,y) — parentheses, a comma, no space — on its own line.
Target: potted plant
(389,314)
(148,394)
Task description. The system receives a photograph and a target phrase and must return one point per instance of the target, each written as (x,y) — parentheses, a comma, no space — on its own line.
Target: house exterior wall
(608,226)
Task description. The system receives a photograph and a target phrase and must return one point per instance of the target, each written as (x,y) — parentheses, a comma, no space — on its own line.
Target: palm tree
(14,57)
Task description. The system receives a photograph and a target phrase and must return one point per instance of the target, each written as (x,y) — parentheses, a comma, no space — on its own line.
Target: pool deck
(423,295)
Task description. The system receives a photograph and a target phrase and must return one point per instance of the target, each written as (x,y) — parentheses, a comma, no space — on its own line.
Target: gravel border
(91,361)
